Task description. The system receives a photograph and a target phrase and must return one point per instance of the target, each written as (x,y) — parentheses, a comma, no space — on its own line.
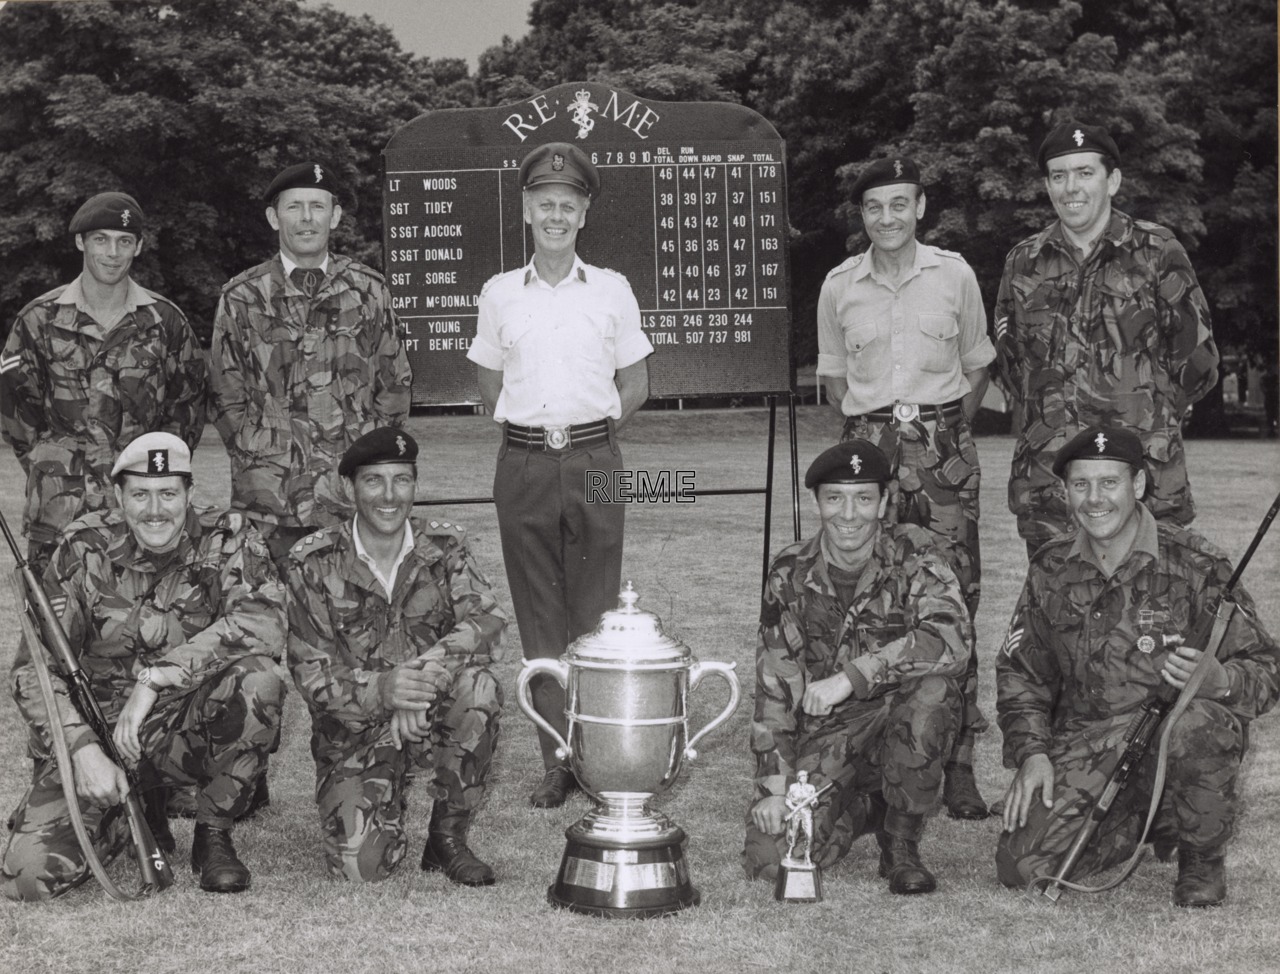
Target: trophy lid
(629,634)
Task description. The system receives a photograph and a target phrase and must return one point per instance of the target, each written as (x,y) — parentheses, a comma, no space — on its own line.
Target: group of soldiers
(867,670)
(866,665)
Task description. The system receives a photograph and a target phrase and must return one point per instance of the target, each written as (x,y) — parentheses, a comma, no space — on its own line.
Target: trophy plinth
(798,882)
(626,693)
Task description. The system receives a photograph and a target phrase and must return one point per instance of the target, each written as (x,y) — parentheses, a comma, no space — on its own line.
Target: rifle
(1165,701)
(153,866)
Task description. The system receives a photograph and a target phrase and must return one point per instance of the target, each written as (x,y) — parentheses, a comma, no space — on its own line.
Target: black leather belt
(905,412)
(558,437)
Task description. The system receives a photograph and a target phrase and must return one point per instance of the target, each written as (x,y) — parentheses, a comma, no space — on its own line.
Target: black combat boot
(557,784)
(155,810)
(446,850)
(900,856)
(960,794)
(1202,878)
(214,858)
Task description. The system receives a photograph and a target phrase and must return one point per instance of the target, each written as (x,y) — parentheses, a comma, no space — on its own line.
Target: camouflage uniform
(72,396)
(903,641)
(344,633)
(297,380)
(1120,339)
(210,615)
(1071,677)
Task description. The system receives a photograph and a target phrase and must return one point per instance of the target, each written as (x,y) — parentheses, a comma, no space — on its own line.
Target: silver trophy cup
(626,686)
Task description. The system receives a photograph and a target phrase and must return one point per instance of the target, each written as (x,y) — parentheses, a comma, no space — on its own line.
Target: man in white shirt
(561,362)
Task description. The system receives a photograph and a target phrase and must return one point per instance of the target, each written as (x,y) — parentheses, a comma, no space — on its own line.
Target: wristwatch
(147,679)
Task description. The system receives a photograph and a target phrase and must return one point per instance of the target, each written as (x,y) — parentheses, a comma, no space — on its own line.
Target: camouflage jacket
(1073,657)
(907,619)
(297,380)
(71,398)
(214,599)
(343,632)
(1122,339)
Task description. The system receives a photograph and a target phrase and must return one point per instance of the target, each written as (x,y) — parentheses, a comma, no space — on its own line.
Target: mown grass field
(697,566)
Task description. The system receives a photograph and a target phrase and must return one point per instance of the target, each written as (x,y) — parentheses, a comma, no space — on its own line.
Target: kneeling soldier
(176,615)
(392,628)
(864,637)
(1084,652)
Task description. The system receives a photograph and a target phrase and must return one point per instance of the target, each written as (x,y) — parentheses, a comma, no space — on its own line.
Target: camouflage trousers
(936,484)
(1198,805)
(362,781)
(886,751)
(215,737)
(1038,498)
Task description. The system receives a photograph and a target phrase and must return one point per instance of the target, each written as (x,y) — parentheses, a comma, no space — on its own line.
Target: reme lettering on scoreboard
(692,211)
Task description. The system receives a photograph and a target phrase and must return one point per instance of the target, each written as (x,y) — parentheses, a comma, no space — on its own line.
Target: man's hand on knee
(822,695)
(1036,774)
(769,814)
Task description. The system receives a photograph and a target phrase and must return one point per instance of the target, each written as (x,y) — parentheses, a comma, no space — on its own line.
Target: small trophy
(799,877)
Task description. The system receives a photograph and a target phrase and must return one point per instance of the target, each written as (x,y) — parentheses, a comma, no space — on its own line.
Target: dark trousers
(563,556)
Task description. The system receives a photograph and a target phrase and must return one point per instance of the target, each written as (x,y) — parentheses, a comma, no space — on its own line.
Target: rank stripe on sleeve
(1011,641)
(9,362)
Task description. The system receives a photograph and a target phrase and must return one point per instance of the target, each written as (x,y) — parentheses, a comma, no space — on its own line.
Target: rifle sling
(62,756)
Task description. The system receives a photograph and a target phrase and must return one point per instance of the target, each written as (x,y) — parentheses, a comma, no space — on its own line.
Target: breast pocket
(865,363)
(939,343)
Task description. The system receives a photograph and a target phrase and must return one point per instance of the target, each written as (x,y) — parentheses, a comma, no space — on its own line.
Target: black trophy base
(619,877)
(798,882)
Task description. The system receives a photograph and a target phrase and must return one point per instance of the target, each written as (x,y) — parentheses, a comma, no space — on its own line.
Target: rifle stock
(153,865)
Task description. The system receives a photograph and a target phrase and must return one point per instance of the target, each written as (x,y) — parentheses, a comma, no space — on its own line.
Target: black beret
(108,211)
(305,175)
(1072,137)
(1100,443)
(886,172)
(386,444)
(851,462)
(559,162)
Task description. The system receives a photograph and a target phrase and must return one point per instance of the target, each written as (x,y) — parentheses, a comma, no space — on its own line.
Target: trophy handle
(557,670)
(725,671)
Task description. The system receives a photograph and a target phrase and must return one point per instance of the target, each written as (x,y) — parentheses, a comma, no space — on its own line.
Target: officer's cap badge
(855,462)
(319,173)
(557,162)
(1101,440)
(124,217)
(401,445)
(1078,136)
(158,461)
(897,167)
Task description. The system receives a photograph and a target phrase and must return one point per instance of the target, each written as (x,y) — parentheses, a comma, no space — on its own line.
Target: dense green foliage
(194,104)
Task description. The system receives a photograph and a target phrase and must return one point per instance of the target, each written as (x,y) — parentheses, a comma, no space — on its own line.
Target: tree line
(193,105)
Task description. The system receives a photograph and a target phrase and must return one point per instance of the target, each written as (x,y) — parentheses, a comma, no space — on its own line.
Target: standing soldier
(864,637)
(88,368)
(1088,645)
(561,363)
(392,628)
(1099,320)
(306,357)
(176,615)
(903,347)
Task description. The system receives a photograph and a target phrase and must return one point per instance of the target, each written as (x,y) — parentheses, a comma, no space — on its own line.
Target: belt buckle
(556,437)
(905,412)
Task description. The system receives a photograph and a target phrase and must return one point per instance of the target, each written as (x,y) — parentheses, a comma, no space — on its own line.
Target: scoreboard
(692,211)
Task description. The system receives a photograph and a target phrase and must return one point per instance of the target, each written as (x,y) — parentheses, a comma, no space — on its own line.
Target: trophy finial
(628,598)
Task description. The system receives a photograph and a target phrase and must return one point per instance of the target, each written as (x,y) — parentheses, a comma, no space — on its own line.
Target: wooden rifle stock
(153,865)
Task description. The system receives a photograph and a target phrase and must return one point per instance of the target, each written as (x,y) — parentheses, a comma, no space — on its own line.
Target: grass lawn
(698,567)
